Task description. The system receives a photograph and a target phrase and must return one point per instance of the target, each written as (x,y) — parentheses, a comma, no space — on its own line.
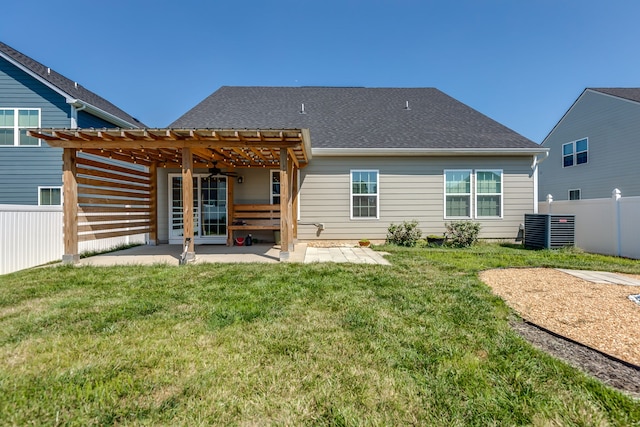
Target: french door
(209,209)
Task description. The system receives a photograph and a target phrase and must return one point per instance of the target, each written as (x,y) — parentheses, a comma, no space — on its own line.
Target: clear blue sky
(520,62)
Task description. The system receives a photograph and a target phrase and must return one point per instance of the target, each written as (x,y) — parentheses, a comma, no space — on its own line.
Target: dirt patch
(597,315)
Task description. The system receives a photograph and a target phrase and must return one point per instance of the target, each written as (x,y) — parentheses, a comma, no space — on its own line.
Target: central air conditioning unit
(549,231)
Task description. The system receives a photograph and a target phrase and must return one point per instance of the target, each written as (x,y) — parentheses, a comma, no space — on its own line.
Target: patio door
(209,209)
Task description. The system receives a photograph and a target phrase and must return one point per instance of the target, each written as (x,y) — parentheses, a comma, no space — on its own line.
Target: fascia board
(38,77)
(401,152)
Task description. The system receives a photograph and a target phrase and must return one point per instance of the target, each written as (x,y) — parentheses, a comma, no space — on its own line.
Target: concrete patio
(267,253)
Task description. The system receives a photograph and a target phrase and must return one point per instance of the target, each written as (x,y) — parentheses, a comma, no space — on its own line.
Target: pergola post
(187,205)
(70,206)
(294,211)
(153,204)
(285,213)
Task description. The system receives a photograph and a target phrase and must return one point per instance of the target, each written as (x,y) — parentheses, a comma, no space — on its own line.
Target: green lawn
(421,342)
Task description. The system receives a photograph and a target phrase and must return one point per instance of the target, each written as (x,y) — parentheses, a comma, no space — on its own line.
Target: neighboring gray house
(379,156)
(594,149)
(34,96)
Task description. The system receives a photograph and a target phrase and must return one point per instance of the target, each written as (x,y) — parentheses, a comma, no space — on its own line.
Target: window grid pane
(364,206)
(6,118)
(488,206)
(458,206)
(488,182)
(459,182)
(6,137)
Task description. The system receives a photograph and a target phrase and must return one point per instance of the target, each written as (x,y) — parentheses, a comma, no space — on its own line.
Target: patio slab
(602,277)
(170,254)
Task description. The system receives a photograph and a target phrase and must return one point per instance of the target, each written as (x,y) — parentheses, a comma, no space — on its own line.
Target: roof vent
(406,105)
(48,70)
(302,111)
(75,84)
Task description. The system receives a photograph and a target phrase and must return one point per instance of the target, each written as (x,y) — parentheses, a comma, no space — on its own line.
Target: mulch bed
(616,374)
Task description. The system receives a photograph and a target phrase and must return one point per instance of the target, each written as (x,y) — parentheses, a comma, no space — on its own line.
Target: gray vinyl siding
(612,126)
(409,188)
(23,169)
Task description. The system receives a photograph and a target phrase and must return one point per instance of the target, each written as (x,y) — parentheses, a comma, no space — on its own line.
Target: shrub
(462,234)
(405,234)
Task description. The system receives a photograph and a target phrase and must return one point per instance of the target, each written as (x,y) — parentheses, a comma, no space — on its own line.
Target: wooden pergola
(105,199)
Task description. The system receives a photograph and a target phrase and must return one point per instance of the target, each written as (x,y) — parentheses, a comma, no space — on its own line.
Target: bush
(462,234)
(405,234)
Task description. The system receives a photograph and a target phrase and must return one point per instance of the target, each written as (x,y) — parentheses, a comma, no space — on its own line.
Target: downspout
(534,168)
(76,106)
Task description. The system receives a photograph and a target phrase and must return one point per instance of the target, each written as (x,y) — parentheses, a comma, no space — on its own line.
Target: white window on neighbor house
(575,153)
(457,190)
(14,124)
(364,194)
(488,194)
(49,196)
(274,187)
(574,194)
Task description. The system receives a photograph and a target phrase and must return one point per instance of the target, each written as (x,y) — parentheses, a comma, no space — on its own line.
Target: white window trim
(16,128)
(49,187)
(273,172)
(501,194)
(377,194)
(574,189)
(575,153)
(444,190)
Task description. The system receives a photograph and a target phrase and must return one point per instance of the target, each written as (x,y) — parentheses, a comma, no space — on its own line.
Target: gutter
(397,152)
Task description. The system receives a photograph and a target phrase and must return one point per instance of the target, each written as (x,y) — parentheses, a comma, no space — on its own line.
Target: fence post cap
(616,194)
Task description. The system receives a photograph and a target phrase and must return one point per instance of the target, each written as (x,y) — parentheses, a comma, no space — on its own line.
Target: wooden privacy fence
(604,226)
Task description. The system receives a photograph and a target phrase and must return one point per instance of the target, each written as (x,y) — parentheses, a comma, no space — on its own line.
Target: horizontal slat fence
(113,200)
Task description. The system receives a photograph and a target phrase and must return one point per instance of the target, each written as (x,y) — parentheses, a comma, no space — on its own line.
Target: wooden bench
(253,217)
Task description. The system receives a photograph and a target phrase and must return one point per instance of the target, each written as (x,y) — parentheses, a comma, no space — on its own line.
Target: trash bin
(276,237)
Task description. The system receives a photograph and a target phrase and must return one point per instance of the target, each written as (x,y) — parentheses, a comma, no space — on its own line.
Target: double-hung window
(457,190)
(14,124)
(575,153)
(364,194)
(489,193)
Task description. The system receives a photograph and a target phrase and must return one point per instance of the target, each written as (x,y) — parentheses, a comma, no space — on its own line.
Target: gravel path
(597,315)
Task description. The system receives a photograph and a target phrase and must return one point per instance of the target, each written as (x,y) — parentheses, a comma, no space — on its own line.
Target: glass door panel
(176,226)
(214,206)
(209,209)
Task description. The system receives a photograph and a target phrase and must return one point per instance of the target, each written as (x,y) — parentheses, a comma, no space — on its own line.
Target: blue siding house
(35,96)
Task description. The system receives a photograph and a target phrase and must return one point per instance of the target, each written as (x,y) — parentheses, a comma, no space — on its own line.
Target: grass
(422,342)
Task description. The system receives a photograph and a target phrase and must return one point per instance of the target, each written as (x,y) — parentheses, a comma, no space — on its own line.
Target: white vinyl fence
(603,226)
(32,235)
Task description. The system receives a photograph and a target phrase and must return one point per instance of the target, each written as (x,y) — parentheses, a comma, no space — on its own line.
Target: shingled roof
(72,89)
(630,93)
(356,117)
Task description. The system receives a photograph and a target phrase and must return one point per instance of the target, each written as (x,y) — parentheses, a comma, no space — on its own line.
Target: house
(34,96)
(310,163)
(593,149)
(382,156)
